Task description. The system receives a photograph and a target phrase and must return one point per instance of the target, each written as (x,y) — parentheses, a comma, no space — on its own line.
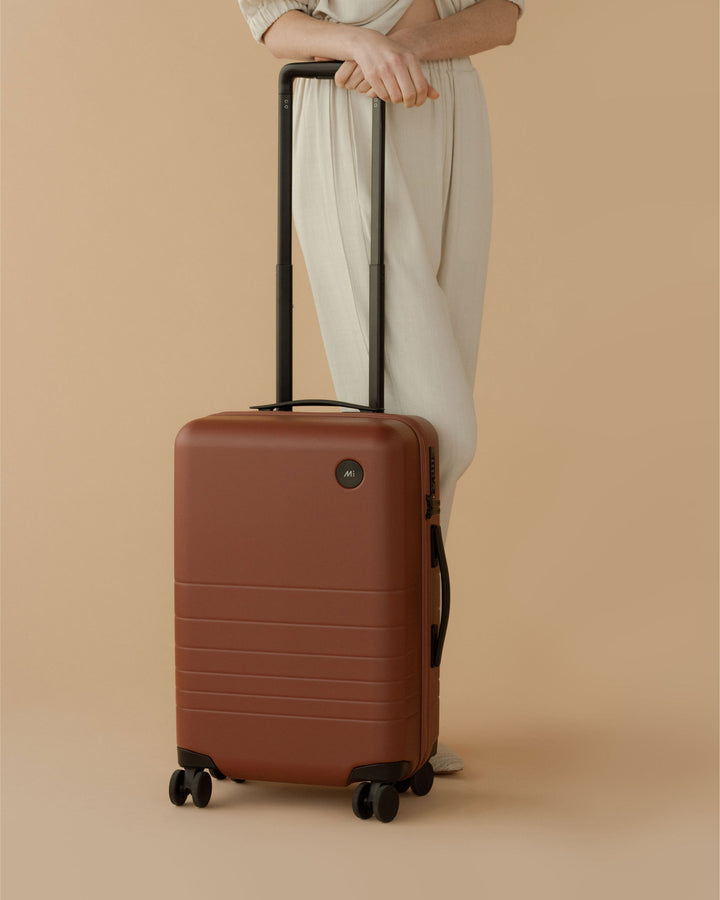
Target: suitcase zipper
(432,503)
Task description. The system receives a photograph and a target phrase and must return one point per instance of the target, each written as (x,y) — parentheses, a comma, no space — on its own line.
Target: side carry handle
(437,635)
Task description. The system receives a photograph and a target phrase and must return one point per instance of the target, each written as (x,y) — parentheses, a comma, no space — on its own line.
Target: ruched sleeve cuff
(260,16)
(521,6)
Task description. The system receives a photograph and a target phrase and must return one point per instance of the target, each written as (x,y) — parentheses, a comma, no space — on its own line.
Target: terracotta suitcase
(311,586)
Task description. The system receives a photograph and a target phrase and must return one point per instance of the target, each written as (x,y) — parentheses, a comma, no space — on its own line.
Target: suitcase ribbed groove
(318,688)
(383,681)
(226,712)
(343,656)
(290,667)
(284,588)
(288,624)
(303,699)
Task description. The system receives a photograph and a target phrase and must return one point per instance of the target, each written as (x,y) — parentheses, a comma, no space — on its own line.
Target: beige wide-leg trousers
(438,206)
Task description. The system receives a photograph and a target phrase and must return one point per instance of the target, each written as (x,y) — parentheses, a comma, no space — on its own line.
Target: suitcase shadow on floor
(287,797)
(561,773)
(273,793)
(452,798)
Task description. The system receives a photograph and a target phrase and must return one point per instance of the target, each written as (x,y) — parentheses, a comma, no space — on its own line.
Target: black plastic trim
(191,760)
(432,506)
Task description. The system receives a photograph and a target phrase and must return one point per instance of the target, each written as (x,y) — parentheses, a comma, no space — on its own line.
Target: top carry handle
(284,277)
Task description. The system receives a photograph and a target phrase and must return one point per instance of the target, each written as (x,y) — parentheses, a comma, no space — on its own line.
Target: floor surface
(624,809)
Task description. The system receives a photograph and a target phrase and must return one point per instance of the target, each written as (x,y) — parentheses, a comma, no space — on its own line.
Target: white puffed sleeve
(260,14)
(520,3)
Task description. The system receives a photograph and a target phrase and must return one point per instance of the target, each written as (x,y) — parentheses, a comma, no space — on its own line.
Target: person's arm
(389,68)
(296,35)
(487,24)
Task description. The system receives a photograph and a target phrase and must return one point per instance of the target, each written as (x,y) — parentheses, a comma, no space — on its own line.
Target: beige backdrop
(580,675)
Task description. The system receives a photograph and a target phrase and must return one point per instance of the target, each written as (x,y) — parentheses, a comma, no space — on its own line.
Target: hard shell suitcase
(311,587)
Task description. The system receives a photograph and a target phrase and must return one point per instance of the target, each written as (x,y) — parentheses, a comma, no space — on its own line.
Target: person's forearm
(487,24)
(296,35)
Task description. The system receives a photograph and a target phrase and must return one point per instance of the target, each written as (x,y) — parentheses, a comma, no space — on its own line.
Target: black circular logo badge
(349,473)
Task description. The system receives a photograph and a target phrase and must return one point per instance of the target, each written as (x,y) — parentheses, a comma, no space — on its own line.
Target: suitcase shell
(304,608)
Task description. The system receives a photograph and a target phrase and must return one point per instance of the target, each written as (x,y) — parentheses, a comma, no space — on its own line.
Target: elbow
(268,44)
(271,40)
(509,29)
(509,33)
(282,39)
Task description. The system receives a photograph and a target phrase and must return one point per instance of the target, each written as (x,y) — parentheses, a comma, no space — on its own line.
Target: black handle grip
(314,69)
(437,635)
(286,404)
(284,278)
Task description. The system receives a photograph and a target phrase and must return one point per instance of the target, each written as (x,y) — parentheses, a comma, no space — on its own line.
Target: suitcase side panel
(427,437)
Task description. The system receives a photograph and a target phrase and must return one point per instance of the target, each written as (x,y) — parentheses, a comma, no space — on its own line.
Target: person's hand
(385,68)
(351,77)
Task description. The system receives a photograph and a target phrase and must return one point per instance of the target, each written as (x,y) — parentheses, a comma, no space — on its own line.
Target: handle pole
(376,385)
(284,268)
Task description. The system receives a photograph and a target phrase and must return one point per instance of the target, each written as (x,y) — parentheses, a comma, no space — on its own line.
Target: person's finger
(344,72)
(378,90)
(366,88)
(407,85)
(355,79)
(386,85)
(422,87)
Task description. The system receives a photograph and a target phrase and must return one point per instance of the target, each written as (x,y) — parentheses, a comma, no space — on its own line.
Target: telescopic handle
(284,276)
